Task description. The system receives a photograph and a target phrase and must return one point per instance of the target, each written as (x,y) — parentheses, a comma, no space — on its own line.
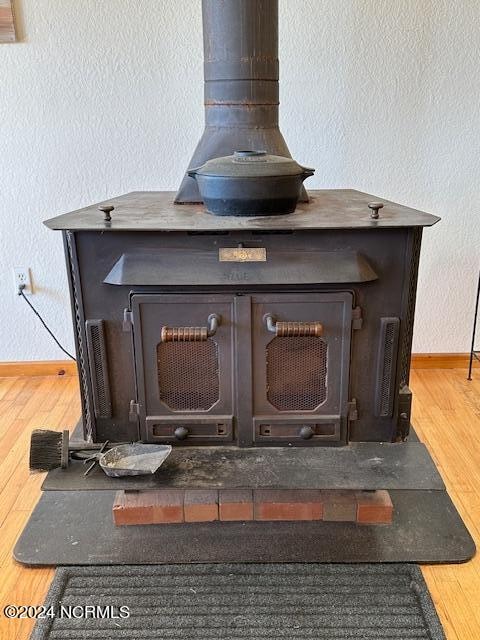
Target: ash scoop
(134,459)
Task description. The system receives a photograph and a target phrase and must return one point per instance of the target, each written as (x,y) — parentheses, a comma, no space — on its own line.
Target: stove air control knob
(306,432)
(180,433)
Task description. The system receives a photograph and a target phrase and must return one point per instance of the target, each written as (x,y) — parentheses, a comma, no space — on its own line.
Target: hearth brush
(53,449)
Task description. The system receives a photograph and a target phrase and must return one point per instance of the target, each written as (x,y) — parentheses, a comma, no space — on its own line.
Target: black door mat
(237,601)
(76,528)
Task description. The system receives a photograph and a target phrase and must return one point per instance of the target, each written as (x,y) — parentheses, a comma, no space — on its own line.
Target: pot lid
(251,164)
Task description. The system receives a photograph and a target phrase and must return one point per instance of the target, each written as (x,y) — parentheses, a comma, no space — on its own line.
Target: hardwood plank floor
(447,418)
(26,404)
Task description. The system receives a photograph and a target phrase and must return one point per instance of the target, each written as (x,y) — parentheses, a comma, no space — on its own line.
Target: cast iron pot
(250,183)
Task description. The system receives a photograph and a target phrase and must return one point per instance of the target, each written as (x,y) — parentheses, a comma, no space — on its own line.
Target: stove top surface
(156,211)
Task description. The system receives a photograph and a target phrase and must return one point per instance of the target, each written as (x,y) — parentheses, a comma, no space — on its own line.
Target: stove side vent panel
(386,367)
(97,357)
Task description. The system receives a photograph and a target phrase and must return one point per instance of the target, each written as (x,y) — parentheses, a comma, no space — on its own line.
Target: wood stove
(291,330)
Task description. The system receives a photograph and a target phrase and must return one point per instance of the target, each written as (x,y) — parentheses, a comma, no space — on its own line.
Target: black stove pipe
(240,41)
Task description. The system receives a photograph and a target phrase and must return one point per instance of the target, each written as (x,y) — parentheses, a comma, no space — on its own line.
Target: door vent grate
(297,373)
(97,357)
(386,367)
(188,375)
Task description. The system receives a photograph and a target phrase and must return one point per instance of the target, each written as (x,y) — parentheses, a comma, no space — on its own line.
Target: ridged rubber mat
(236,601)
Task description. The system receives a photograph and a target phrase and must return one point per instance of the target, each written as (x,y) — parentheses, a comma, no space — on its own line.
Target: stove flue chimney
(240,41)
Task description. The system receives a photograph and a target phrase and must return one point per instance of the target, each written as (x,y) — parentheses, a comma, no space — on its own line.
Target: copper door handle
(191,334)
(292,329)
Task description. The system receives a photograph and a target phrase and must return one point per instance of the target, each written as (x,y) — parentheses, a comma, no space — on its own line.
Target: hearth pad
(76,528)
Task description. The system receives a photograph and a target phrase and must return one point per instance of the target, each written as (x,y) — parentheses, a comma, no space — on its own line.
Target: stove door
(184,371)
(300,364)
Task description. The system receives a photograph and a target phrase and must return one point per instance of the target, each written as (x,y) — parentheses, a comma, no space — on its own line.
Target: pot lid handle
(249,156)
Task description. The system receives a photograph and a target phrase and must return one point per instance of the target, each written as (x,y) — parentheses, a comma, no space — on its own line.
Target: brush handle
(91,446)
(65,452)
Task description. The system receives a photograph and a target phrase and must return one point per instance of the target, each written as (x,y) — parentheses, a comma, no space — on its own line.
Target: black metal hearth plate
(364,465)
(76,528)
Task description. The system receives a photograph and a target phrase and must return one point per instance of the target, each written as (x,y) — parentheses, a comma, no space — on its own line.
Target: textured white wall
(101,98)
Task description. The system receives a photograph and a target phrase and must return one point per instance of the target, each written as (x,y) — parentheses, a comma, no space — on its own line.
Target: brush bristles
(45,450)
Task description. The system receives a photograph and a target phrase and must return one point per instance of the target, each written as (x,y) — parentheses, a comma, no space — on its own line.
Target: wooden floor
(446,416)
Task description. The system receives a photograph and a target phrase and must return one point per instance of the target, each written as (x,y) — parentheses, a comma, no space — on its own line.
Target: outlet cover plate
(21,275)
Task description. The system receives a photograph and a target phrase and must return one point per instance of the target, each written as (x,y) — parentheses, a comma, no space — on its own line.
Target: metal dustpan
(134,459)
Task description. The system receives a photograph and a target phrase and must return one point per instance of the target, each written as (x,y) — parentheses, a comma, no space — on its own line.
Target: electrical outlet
(21,275)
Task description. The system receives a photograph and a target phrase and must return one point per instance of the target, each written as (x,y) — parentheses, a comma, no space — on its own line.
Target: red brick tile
(200,505)
(339,506)
(235,504)
(374,507)
(287,504)
(168,506)
(148,507)
(132,508)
